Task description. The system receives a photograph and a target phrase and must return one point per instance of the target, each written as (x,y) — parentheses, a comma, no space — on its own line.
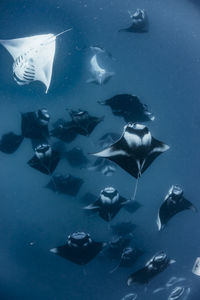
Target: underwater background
(162,67)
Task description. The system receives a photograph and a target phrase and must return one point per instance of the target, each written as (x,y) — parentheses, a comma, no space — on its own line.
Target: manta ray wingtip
(94,154)
(101,102)
(54,250)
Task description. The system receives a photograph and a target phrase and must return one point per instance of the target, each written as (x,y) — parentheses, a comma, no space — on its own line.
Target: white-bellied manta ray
(33,57)
(99,75)
(135,150)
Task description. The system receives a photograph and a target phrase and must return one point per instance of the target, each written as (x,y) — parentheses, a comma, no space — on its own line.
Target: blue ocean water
(162,67)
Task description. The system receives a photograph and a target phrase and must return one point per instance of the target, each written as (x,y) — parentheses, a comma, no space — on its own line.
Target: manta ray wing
(141,276)
(95,66)
(17,47)
(166,211)
(10,142)
(157,148)
(118,154)
(44,62)
(77,256)
(95,206)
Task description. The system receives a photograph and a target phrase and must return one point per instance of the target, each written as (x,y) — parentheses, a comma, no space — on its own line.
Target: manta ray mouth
(135,127)
(176,190)
(161,257)
(109,195)
(43,150)
(43,114)
(109,190)
(79,239)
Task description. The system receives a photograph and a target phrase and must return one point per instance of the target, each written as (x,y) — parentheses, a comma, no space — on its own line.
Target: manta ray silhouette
(174,203)
(65,184)
(81,123)
(10,142)
(108,203)
(139,22)
(158,263)
(135,150)
(45,159)
(99,75)
(80,248)
(129,107)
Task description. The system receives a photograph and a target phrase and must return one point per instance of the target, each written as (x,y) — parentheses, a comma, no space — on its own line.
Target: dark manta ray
(139,22)
(117,244)
(45,159)
(65,184)
(108,204)
(103,166)
(76,157)
(108,139)
(129,107)
(34,125)
(173,203)
(128,257)
(82,123)
(10,142)
(158,263)
(64,131)
(135,150)
(79,248)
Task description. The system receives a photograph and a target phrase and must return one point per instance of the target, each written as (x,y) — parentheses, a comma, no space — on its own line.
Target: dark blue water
(162,67)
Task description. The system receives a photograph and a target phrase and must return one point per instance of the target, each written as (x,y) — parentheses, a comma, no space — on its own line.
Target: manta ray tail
(135,189)
(115,268)
(63,32)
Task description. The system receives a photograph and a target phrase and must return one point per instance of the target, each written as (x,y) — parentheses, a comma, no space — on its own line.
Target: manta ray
(174,203)
(157,264)
(79,248)
(134,151)
(99,75)
(33,57)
